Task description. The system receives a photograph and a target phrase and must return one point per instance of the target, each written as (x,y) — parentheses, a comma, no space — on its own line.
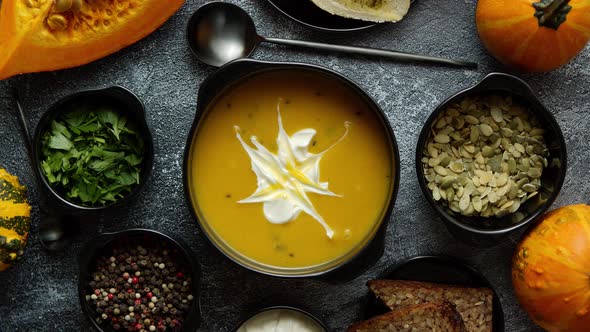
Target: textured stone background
(39,294)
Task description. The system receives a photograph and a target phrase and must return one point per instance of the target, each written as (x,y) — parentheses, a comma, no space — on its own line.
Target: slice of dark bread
(426,317)
(474,304)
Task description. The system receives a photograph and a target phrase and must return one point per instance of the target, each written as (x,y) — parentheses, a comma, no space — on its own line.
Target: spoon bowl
(56,231)
(220,32)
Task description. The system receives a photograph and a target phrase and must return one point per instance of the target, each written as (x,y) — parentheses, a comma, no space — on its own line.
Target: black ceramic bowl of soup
(124,107)
(113,247)
(489,230)
(291,170)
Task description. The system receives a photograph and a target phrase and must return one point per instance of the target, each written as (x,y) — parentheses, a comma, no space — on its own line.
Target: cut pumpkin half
(43,35)
(366,10)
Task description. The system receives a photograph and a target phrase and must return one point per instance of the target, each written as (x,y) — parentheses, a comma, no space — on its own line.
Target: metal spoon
(54,229)
(220,32)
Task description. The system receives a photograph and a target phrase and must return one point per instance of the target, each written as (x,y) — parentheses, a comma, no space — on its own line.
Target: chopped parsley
(92,156)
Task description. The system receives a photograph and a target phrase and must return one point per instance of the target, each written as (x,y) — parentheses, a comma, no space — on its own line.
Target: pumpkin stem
(551,13)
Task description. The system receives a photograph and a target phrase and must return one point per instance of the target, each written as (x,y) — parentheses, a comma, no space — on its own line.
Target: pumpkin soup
(291,170)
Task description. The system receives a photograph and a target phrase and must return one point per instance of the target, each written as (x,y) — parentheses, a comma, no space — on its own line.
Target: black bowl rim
(533,101)
(191,28)
(367,24)
(56,108)
(322,70)
(281,307)
(100,241)
(447,260)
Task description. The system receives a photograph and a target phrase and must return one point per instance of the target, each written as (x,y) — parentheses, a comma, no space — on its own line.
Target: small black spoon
(54,235)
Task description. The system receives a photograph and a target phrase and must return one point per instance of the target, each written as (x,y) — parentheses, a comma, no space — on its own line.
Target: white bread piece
(366,10)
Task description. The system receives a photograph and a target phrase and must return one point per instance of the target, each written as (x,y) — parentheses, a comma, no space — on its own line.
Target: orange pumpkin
(534,35)
(551,270)
(42,35)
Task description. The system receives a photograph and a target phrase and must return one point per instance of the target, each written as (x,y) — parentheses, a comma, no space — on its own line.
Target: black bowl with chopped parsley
(94,149)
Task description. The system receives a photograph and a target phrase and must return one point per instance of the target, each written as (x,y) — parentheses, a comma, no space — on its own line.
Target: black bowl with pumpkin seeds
(523,171)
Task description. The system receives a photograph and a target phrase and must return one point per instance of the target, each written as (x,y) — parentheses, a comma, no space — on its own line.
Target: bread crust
(441,316)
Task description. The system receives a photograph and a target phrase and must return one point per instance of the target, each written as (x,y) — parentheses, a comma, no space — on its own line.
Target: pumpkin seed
(471,119)
(487,151)
(512,166)
(485,178)
(537,132)
(507,205)
(522,182)
(496,113)
(476,201)
(447,181)
(535,172)
(440,170)
(480,159)
(442,138)
(443,194)
(529,188)
(436,194)
(432,151)
(432,162)
(515,206)
(453,112)
(474,135)
(506,132)
(502,179)
(469,148)
(493,197)
(458,122)
(57,22)
(485,129)
(457,167)
(62,5)
(464,202)
(445,160)
(450,194)
(431,184)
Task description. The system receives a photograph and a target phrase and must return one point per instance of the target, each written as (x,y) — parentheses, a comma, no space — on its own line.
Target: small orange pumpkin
(551,270)
(43,35)
(534,35)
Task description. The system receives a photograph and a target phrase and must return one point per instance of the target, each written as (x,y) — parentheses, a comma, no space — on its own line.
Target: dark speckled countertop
(39,293)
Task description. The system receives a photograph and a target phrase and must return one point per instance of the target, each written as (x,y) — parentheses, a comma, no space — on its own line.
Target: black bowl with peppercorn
(139,280)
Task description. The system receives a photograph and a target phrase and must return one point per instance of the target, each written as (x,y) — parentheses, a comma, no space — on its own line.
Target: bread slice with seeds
(366,10)
(426,317)
(474,304)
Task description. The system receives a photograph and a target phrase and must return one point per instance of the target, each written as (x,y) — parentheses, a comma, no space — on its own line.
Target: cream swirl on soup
(285,178)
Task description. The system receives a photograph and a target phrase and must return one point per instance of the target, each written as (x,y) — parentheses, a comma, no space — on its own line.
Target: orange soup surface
(358,168)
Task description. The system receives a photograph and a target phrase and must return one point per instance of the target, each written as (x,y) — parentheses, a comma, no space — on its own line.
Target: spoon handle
(23,123)
(400,56)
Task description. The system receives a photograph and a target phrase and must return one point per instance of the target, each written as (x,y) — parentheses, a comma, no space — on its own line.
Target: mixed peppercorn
(140,288)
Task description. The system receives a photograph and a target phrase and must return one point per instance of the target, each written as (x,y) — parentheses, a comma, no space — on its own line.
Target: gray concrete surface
(39,293)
